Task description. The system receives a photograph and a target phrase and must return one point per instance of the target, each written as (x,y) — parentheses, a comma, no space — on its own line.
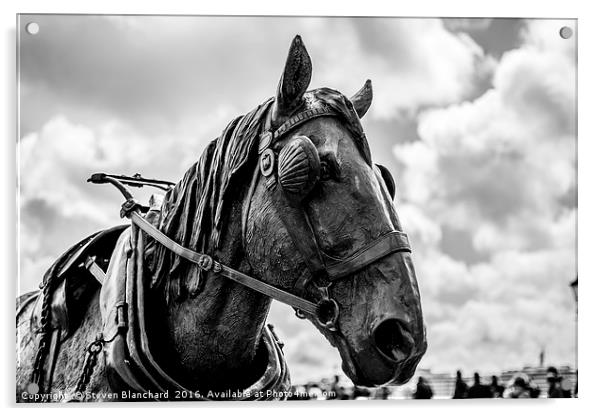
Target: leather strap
(303,237)
(95,269)
(301,118)
(53,353)
(299,229)
(269,137)
(207,263)
(389,243)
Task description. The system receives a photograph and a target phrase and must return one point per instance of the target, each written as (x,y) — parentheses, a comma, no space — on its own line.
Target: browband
(389,243)
(269,137)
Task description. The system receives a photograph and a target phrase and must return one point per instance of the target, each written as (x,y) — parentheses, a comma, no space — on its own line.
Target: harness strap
(301,118)
(207,263)
(269,137)
(95,269)
(303,237)
(389,243)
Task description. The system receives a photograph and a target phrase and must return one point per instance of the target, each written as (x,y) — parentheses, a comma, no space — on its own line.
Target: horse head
(320,223)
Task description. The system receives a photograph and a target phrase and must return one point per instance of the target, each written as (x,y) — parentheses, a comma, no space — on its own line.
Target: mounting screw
(566,32)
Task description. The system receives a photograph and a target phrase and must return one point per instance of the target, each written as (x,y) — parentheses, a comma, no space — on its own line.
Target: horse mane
(193,211)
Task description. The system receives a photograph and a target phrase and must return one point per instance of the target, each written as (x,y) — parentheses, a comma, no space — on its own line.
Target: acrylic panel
(296,208)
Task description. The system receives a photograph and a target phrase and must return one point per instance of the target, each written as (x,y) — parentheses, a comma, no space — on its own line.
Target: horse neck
(211,340)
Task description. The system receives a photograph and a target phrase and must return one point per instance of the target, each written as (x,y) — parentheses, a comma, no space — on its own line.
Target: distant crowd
(521,386)
(335,390)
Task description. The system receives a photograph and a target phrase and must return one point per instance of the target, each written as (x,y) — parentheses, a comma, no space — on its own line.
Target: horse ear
(362,99)
(388,178)
(293,82)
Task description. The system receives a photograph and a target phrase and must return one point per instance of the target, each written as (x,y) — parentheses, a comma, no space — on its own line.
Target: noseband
(323,270)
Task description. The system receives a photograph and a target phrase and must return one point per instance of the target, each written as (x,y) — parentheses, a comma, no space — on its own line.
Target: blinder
(298,168)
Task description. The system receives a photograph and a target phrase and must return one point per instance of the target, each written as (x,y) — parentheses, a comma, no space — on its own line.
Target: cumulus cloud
(398,55)
(502,169)
(58,207)
(162,73)
(507,156)
(468,24)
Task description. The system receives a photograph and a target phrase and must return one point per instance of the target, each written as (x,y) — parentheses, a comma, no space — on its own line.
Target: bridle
(323,270)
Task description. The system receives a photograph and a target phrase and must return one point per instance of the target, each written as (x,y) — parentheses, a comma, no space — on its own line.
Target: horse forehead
(327,133)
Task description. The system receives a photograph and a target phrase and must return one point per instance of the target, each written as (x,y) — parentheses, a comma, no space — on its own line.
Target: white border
(590,207)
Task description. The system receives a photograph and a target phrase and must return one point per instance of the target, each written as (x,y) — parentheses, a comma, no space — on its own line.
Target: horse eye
(329,168)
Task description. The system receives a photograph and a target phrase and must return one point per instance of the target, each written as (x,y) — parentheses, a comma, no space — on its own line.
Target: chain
(43,344)
(92,352)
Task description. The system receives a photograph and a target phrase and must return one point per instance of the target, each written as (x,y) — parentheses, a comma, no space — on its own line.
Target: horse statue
(286,204)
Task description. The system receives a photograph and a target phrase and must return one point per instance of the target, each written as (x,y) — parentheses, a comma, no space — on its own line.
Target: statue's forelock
(344,108)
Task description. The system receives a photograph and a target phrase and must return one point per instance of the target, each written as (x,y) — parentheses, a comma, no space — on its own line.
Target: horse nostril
(392,340)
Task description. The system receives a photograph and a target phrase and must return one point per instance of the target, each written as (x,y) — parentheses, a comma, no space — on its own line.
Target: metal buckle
(328,314)
(205,262)
(128,206)
(327,310)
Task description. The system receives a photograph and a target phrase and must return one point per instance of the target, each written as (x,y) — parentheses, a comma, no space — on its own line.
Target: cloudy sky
(474,117)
